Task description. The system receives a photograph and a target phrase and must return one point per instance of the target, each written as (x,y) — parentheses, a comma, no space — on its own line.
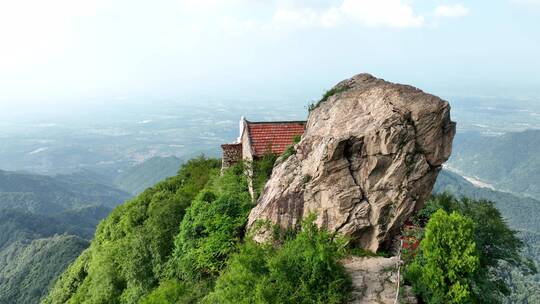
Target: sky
(79,51)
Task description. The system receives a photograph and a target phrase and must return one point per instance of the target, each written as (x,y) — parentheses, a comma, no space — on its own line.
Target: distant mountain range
(139,177)
(510,161)
(522,212)
(49,195)
(45,223)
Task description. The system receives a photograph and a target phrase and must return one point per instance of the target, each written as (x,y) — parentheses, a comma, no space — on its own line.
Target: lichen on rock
(372,153)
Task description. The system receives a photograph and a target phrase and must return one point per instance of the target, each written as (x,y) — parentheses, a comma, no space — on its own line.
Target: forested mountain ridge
(35,248)
(28,268)
(138,178)
(49,195)
(172,242)
(45,223)
(510,161)
(521,212)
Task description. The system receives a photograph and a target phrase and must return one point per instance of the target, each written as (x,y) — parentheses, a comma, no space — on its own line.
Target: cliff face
(368,159)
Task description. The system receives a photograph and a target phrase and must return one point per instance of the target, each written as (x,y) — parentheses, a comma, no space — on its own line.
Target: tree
(445,269)
(496,243)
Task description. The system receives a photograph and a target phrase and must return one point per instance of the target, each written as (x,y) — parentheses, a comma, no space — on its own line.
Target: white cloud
(380,13)
(453,11)
(384,13)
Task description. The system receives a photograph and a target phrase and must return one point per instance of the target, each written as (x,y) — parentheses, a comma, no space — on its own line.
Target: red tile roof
(277,135)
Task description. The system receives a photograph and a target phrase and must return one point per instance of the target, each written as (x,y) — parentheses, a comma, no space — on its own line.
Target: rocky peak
(368,159)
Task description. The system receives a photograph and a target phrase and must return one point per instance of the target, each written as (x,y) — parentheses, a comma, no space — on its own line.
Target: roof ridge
(277,122)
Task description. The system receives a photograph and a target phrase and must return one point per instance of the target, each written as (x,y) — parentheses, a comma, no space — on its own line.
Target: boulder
(368,159)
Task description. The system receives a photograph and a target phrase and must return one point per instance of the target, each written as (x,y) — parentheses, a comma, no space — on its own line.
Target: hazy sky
(83,50)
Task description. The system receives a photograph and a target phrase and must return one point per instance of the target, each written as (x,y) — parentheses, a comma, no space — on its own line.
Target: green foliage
(212,227)
(290,151)
(361,252)
(328,94)
(262,170)
(147,251)
(521,213)
(44,225)
(494,240)
(174,291)
(27,269)
(210,232)
(449,259)
(133,244)
(304,270)
(496,244)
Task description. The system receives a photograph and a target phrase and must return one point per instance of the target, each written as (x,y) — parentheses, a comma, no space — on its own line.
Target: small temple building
(259,138)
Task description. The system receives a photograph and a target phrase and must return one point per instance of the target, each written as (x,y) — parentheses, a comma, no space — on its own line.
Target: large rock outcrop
(368,159)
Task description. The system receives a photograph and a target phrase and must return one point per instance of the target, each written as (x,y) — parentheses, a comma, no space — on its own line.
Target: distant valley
(46,221)
(510,161)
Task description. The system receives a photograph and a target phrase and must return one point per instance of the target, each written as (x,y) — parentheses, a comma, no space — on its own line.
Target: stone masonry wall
(232,153)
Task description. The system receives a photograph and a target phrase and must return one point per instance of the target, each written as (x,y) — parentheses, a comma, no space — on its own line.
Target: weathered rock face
(374,281)
(368,159)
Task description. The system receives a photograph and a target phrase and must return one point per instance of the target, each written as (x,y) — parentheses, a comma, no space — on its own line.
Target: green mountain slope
(28,268)
(45,223)
(510,161)
(522,212)
(42,194)
(139,177)
(35,249)
(174,242)
(132,245)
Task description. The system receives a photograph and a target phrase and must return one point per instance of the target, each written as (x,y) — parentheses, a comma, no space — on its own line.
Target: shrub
(212,227)
(328,94)
(262,170)
(288,152)
(210,232)
(304,270)
(174,291)
(494,241)
(444,271)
